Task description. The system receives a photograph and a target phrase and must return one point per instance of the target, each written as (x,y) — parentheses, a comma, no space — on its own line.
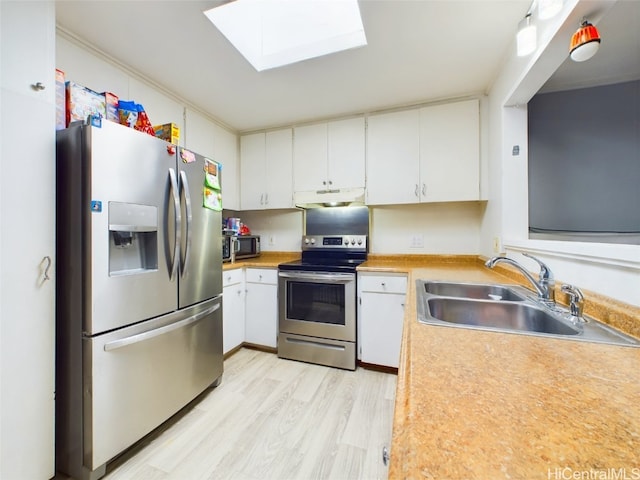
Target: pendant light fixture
(526,38)
(585,42)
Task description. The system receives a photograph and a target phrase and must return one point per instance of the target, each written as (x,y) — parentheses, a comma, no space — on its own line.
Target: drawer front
(262,275)
(383,283)
(125,402)
(231,277)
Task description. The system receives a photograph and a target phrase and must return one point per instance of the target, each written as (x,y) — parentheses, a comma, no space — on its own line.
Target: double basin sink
(511,309)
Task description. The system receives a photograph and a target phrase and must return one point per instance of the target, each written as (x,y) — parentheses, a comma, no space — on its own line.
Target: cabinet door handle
(424,189)
(47,260)
(330,182)
(38,86)
(262,199)
(416,192)
(266,199)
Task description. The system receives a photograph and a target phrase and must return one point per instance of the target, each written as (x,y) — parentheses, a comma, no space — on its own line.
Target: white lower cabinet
(381,300)
(261,303)
(233,297)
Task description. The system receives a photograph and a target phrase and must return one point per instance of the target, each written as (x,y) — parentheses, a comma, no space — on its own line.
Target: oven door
(318,304)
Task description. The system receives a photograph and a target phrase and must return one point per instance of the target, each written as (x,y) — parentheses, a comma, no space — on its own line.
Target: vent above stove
(329,198)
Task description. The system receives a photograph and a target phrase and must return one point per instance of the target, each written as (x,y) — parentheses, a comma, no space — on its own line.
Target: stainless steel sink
(474,290)
(509,309)
(500,315)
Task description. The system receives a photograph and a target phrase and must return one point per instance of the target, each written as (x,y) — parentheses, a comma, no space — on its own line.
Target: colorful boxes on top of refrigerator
(169,132)
(83,102)
(111,103)
(61,102)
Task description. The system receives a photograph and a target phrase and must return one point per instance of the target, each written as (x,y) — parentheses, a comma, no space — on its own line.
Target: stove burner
(322,265)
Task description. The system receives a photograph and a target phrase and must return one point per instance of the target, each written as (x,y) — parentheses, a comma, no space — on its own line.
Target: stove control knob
(359,241)
(313,241)
(346,241)
(306,240)
(353,241)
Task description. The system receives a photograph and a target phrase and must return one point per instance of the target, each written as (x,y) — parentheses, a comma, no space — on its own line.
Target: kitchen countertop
(265,260)
(477,404)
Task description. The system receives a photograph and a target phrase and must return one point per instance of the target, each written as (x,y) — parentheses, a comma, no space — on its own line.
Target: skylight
(273,33)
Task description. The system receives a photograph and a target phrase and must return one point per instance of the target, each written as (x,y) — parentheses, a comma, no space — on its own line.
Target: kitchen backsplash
(451,228)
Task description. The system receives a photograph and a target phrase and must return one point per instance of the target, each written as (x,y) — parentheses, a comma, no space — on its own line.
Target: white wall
(612,270)
(443,228)
(279,230)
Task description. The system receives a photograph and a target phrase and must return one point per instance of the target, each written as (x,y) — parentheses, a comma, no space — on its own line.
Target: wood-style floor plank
(272,418)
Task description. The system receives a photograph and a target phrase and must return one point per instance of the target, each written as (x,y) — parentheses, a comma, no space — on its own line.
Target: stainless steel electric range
(317,294)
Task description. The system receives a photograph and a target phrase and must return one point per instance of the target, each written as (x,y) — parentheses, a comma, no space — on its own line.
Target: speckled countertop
(265,260)
(484,405)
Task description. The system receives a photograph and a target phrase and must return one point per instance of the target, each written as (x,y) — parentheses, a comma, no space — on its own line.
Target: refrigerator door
(141,375)
(200,272)
(129,243)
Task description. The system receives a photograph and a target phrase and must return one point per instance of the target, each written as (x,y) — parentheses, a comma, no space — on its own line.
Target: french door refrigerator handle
(187,202)
(141,337)
(178,227)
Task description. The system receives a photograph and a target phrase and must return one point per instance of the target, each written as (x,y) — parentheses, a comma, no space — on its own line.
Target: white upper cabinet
(310,158)
(431,154)
(330,156)
(393,158)
(346,157)
(26,50)
(213,141)
(225,151)
(450,152)
(266,170)
(197,134)
(252,171)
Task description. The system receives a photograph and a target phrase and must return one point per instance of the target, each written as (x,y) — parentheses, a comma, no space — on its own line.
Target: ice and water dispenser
(133,238)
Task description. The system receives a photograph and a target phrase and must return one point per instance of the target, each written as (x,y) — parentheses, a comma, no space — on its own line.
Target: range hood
(329,198)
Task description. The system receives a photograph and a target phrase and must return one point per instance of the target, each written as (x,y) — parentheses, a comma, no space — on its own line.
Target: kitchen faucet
(544,286)
(576,301)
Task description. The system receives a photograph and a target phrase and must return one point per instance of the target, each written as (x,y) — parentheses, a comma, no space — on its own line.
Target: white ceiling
(418,51)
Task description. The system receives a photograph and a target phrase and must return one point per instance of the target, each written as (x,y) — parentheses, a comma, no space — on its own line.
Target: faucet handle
(576,299)
(545,271)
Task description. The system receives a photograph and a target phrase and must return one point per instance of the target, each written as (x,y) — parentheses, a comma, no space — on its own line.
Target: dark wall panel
(584,160)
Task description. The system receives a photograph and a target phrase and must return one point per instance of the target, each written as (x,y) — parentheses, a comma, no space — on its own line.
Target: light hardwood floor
(273,419)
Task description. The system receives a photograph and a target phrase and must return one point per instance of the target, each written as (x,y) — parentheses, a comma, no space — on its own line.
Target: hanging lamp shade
(526,38)
(584,43)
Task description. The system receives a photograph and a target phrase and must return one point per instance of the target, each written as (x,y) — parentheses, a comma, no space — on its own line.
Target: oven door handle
(320,277)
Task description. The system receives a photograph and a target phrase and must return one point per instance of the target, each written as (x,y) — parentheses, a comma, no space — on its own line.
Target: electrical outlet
(497,245)
(417,241)
(272,240)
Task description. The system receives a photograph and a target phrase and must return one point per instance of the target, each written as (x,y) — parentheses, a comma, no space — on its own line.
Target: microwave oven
(236,247)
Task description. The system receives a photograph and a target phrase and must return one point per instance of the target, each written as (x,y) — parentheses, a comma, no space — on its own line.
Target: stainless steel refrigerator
(139,296)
